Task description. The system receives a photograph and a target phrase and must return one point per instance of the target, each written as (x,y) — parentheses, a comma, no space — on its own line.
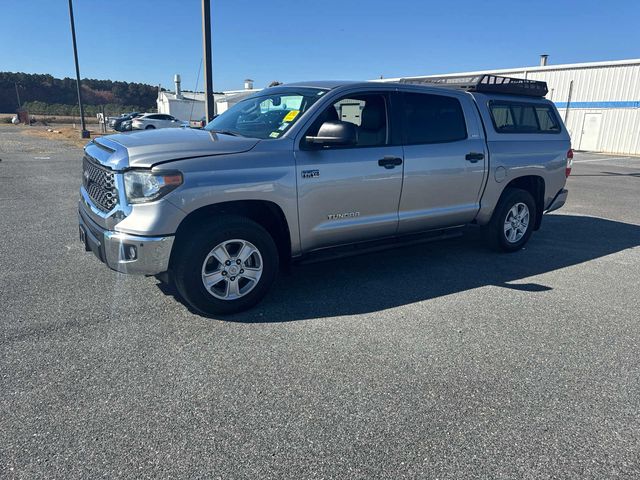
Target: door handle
(474,157)
(390,162)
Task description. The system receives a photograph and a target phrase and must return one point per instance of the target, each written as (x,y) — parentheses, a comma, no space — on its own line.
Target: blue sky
(148,41)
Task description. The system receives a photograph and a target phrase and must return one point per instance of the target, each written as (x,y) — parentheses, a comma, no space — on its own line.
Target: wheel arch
(265,213)
(535,185)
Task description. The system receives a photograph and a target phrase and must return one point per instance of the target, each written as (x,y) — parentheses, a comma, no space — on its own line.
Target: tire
(149,127)
(518,206)
(233,290)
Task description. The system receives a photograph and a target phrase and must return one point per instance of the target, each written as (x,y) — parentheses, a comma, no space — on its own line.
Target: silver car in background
(150,121)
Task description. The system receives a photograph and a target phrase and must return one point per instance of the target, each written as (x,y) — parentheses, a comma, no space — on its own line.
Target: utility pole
(18,95)
(208,71)
(84,132)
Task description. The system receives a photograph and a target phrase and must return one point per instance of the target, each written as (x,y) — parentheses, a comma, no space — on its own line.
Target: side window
(432,119)
(502,118)
(525,117)
(547,119)
(152,117)
(513,117)
(368,112)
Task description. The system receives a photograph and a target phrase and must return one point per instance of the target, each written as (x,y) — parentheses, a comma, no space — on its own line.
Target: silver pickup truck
(320,169)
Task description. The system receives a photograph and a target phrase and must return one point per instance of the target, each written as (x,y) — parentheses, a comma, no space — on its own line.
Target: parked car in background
(116,122)
(150,121)
(126,126)
(198,123)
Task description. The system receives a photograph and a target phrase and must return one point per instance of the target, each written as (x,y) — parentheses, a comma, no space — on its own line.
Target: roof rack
(485,83)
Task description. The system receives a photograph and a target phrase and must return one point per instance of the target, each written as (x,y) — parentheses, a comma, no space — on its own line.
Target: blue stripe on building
(629,104)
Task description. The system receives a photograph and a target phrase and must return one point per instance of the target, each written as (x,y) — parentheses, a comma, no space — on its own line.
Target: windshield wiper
(227,132)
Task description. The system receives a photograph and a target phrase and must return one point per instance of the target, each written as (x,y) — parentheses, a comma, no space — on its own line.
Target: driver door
(348,194)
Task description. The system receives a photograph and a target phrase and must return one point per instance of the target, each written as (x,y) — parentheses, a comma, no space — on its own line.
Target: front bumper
(115,248)
(559,200)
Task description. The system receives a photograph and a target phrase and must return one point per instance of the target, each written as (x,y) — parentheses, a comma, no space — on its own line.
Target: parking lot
(443,360)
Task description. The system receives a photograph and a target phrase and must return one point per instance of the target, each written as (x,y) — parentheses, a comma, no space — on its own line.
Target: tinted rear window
(432,119)
(511,117)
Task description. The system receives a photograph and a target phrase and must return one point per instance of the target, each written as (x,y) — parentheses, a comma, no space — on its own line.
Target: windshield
(266,115)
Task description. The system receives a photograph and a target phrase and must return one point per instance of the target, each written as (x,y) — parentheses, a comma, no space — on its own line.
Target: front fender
(256,175)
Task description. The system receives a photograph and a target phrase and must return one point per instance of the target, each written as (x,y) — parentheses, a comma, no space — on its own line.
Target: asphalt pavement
(443,360)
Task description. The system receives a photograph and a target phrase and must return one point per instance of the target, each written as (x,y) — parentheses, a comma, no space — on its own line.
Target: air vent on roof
(485,83)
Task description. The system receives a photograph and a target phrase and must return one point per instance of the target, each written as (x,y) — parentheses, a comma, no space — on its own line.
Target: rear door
(350,194)
(154,120)
(445,161)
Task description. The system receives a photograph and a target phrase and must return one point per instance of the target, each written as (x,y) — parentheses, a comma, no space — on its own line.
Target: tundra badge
(338,216)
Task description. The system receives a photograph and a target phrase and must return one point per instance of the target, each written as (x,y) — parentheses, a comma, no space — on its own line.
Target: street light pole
(208,71)
(84,132)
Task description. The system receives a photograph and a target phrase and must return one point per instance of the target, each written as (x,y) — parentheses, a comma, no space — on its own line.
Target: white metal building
(184,106)
(599,101)
(190,106)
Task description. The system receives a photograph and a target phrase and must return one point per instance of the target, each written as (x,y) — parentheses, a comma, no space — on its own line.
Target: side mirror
(335,133)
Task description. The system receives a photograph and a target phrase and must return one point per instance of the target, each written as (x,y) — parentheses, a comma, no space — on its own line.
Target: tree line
(44,94)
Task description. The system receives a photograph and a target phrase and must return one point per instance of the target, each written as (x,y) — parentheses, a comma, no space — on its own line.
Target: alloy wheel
(516,222)
(232,269)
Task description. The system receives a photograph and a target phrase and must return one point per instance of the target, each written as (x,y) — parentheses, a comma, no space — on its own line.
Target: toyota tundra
(319,169)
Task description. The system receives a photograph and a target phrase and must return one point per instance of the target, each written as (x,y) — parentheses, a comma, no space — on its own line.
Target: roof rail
(485,83)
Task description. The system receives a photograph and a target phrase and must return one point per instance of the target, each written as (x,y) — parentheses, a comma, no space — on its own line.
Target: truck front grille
(100,184)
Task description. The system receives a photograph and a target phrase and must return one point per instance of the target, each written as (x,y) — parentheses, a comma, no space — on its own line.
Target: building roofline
(242,90)
(537,68)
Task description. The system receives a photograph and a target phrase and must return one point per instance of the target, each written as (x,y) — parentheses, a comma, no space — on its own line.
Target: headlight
(146,186)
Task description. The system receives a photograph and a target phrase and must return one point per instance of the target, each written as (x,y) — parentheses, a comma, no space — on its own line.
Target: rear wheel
(226,267)
(512,223)
(149,127)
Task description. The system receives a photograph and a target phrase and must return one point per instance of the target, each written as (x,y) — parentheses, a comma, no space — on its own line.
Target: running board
(350,250)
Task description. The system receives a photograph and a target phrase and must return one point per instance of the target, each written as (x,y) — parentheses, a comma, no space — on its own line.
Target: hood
(147,148)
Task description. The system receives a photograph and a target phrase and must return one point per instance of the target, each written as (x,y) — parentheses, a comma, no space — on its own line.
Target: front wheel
(225,267)
(512,223)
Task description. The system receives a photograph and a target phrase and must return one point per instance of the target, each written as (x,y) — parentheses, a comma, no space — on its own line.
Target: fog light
(130,252)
